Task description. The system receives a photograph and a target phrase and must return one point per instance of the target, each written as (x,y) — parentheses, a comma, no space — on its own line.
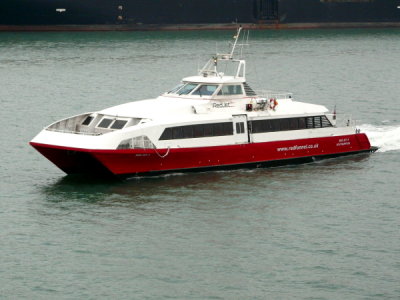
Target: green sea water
(326,230)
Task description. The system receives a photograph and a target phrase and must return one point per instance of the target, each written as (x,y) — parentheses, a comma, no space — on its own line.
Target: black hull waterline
(103,15)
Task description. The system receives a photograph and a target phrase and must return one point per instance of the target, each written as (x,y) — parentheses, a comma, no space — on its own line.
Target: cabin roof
(214,79)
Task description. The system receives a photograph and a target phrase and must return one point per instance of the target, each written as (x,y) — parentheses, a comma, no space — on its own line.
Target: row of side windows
(197,131)
(260,126)
(106,122)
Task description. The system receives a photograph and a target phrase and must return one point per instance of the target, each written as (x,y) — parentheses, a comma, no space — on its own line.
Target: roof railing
(343,120)
(211,67)
(74,131)
(272,94)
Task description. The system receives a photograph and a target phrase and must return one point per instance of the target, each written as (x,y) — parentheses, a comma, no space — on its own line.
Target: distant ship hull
(89,15)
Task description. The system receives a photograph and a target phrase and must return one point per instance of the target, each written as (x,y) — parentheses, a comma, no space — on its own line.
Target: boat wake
(387,138)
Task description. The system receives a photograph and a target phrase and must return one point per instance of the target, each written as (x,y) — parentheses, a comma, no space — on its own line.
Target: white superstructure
(207,110)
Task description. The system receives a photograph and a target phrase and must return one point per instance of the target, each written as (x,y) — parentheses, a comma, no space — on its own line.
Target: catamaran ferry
(208,121)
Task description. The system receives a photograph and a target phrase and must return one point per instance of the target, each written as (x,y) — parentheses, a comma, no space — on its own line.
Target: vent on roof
(249,91)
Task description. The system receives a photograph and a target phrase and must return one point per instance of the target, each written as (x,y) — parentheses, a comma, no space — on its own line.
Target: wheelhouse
(211,90)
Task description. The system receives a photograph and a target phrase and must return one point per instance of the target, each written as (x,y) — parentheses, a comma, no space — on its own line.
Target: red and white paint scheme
(209,121)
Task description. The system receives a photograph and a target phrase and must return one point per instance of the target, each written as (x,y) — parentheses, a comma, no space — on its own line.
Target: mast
(236,37)
(211,67)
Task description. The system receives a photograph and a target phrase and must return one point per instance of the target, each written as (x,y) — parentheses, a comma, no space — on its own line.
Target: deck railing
(74,131)
(139,142)
(343,120)
(271,94)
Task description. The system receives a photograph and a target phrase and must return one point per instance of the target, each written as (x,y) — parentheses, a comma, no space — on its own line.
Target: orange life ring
(273,103)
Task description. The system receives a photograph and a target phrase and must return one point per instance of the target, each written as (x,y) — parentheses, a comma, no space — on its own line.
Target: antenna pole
(236,39)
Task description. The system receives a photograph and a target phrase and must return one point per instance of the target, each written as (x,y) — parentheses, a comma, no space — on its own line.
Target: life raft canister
(273,103)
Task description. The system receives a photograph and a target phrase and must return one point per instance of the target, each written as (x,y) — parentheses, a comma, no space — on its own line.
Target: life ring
(273,103)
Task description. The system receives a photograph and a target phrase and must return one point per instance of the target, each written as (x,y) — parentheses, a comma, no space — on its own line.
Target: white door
(240,131)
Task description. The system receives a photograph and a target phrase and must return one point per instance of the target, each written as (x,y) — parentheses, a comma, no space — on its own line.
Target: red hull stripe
(142,161)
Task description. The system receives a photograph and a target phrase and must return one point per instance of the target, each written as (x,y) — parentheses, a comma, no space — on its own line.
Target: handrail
(343,120)
(272,94)
(74,132)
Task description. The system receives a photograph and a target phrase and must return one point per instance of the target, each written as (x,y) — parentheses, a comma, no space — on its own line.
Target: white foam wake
(387,138)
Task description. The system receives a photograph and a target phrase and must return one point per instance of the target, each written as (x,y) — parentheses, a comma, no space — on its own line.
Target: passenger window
(325,122)
(187,89)
(118,124)
(87,120)
(239,127)
(317,122)
(177,88)
(187,132)
(284,124)
(198,131)
(205,90)
(105,123)
(275,124)
(310,123)
(177,133)
(208,130)
(230,90)
(167,134)
(294,123)
(302,123)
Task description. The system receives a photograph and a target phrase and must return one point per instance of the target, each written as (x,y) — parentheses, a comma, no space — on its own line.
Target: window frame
(220,91)
(197,131)
(88,117)
(104,119)
(113,120)
(176,88)
(194,92)
(118,120)
(190,91)
(289,124)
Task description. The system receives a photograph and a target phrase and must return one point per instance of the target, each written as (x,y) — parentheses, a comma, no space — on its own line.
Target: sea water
(325,230)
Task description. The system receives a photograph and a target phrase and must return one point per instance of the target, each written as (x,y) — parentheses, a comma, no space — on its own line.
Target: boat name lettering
(221,105)
(298,147)
(343,142)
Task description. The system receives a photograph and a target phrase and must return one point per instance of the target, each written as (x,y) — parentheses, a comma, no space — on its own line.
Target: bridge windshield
(205,90)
